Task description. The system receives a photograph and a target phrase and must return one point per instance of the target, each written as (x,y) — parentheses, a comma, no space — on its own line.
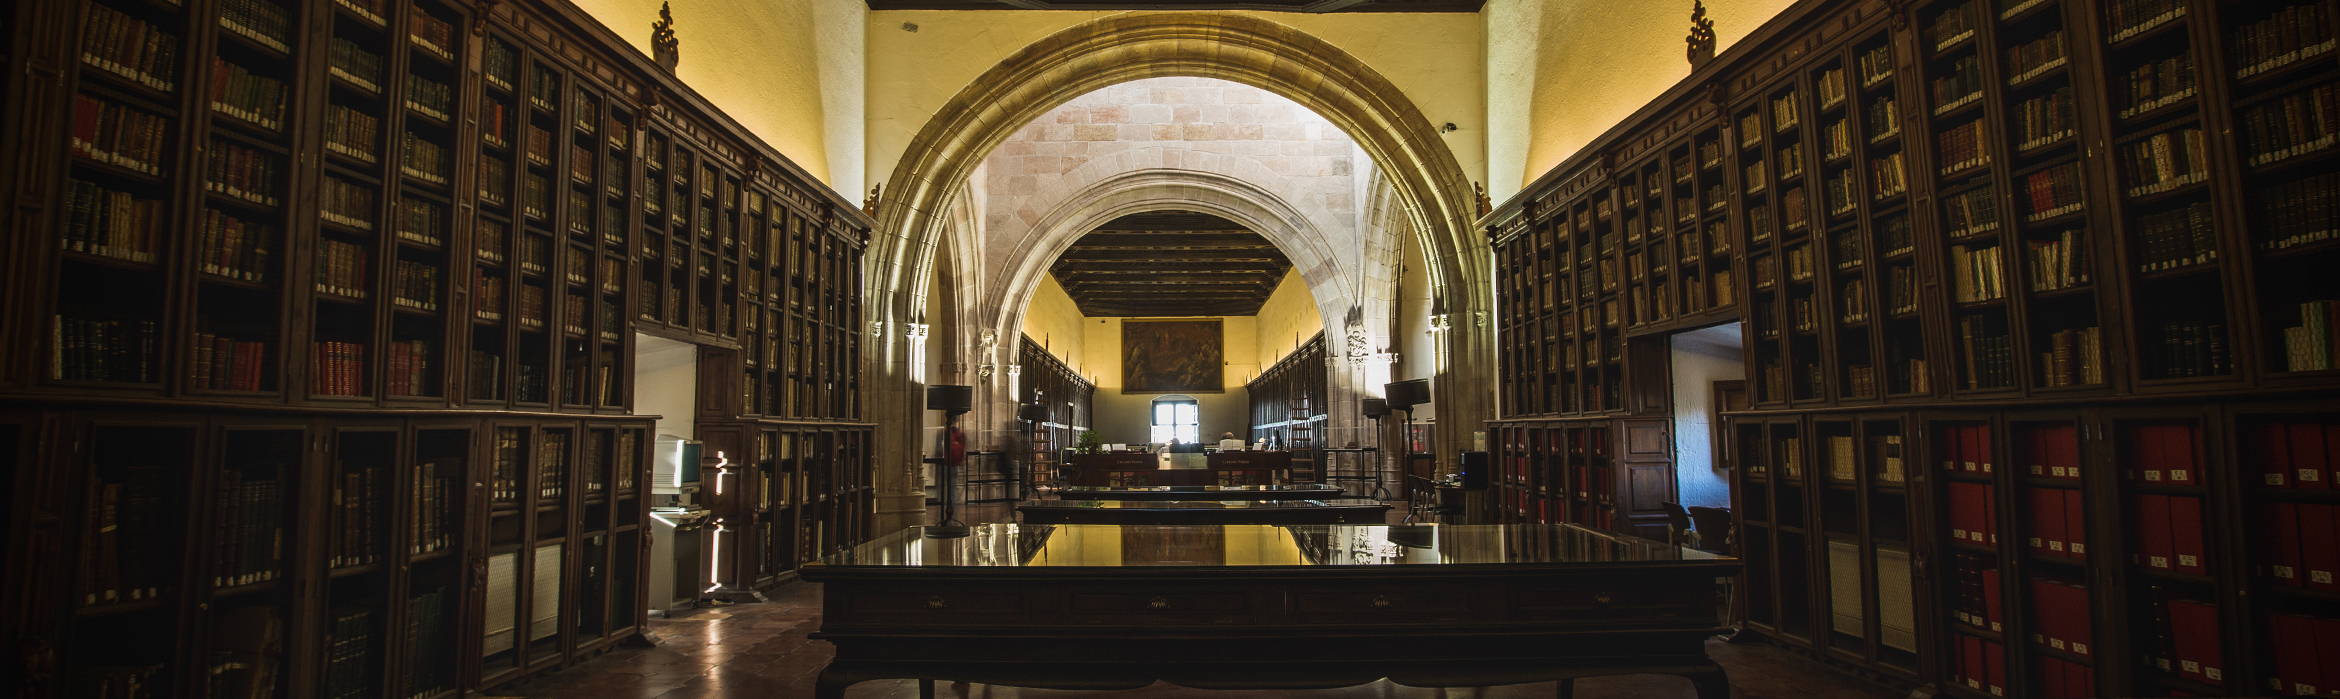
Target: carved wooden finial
(1485,206)
(664,48)
(479,17)
(1701,38)
(870,205)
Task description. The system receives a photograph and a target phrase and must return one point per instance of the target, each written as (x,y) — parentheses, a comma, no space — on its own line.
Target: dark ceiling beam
(1168,265)
(1220,279)
(1321,6)
(1178,256)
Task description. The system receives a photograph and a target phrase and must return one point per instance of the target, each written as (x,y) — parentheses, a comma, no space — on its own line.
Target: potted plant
(1090,442)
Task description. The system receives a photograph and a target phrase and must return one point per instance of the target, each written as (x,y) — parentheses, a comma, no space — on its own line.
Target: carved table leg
(1711,684)
(1567,688)
(926,689)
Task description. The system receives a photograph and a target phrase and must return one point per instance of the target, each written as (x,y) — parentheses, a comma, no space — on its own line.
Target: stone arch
(1161,189)
(1317,75)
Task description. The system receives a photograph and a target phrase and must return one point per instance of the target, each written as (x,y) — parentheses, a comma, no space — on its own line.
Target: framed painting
(1173,356)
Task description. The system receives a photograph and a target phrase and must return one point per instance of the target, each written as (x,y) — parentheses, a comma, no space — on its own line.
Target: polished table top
(1202,492)
(1247,546)
(1198,504)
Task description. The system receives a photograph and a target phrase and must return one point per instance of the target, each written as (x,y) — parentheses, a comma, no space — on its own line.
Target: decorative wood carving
(1701,38)
(664,48)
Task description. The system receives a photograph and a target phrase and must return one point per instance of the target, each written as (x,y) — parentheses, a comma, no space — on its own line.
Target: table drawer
(938,602)
(1603,602)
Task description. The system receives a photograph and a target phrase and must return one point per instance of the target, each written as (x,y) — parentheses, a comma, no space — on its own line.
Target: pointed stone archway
(1430,185)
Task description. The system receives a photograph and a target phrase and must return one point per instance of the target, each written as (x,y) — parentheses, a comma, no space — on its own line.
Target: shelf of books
(792,493)
(1043,378)
(2100,218)
(279,204)
(369,513)
(1579,471)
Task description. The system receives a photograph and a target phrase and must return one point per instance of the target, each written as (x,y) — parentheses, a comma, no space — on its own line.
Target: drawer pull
(1601,599)
(1158,603)
(1380,602)
(934,603)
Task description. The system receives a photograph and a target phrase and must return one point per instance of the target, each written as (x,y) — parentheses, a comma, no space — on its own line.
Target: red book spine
(2044,627)
(2309,456)
(1966,511)
(2153,532)
(1971,662)
(2063,449)
(2195,624)
(2327,660)
(2181,453)
(2297,669)
(2075,525)
(1992,608)
(2079,622)
(2047,521)
(2282,542)
(2185,534)
(1990,518)
(2272,444)
(2319,547)
(1995,668)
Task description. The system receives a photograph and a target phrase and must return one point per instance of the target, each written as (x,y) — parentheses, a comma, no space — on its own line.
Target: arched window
(1177,417)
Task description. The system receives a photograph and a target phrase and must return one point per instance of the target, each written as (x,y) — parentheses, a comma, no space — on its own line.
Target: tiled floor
(760,651)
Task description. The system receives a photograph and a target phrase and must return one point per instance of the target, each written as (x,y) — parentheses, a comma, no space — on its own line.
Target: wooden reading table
(1254,493)
(1203,512)
(1089,606)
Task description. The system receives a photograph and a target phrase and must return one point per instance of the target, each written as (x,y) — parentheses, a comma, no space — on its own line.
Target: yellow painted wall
(1561,72)
(1126,418)
(1054,321)
(1288,317)
(1435,58)
(791,71)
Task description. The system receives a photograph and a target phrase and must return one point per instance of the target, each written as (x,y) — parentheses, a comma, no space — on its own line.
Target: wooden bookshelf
(1071,404)
(1287,402)
(347,256)
(2030,234)
(793,492)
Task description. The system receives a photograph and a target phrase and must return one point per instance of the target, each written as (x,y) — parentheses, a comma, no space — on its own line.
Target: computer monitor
(1182,448)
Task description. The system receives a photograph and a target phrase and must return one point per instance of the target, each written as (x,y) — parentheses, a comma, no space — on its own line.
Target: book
(346,203)
(243,173)
(129,48)
(251,97)
(1960,86)
(111,223)
(2295,213)
(2301,122)
(2158,83)
(121,136)
(2287,36)
(352,64)
(351,133)
(261,21)
(2035,58)
(2164,161)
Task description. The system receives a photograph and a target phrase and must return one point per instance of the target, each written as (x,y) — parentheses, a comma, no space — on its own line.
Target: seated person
(1228,442)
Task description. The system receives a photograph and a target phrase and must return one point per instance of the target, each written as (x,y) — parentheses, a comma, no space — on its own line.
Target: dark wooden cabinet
(1291,408)
(321,335)
(2055,262)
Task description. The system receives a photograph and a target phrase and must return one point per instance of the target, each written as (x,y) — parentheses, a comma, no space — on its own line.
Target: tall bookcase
(320,378)
(2036,347)
(1288,406)
(1071,403)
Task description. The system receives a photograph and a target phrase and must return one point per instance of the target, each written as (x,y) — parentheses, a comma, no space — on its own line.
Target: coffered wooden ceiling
(1170,263)
(1318,6)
